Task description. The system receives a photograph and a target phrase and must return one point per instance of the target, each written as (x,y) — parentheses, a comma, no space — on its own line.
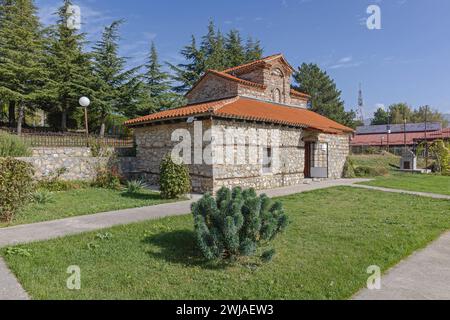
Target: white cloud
(346,59)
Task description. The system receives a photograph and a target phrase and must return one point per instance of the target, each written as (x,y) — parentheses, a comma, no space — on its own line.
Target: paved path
(10,288)
(423,276)
(422,194)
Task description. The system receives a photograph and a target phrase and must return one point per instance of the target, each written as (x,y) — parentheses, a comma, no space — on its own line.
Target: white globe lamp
(84,102)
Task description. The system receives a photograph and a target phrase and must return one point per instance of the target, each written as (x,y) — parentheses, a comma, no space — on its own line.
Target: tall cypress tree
(115,89)
(68,65)
(23,76)
(325,97)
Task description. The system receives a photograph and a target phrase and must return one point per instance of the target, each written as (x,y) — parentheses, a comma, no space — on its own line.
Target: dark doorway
(308,159)
(407,165)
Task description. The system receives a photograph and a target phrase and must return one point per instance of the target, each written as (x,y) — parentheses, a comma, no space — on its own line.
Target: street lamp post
(388,133)
(85,102)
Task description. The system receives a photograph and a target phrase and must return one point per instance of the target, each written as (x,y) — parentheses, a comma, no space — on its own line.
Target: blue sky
(408,60)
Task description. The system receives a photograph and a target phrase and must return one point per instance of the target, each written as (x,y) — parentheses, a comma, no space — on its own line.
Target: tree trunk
(12,114)
(20,119)
(64,121)
(102,129)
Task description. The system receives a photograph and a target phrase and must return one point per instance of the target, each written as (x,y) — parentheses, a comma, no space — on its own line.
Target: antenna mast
(360,112)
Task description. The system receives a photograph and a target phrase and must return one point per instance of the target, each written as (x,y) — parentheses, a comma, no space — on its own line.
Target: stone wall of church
(155,142)
(212,87)
(287,150)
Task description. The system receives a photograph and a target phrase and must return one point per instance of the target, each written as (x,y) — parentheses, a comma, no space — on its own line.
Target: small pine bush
(235,223)
(13,146)
(16,186)
(174,179)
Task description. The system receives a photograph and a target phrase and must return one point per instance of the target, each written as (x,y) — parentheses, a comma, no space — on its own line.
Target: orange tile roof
(253,110)
(300,94)
(187,111)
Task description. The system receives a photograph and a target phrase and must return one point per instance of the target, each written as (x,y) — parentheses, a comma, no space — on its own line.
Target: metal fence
(70,139)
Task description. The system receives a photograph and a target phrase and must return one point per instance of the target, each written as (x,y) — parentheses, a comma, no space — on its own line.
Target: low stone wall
(77,162)
(61,152)
(77,168)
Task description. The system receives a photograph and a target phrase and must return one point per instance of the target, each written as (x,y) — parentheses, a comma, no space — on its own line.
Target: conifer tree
(115,89)
(23,76)
(234,49)
(215,52)
(187,74)
(253,50)
(213,48)
(155,89)
(325,97)
(69,66)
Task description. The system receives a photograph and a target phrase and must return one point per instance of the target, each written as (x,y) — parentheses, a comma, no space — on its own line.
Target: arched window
(278,80)
(276,95)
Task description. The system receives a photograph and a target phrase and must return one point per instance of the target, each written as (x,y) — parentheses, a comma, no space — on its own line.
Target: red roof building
(231,105)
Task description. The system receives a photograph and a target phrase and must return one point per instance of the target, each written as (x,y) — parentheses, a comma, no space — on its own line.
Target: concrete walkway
(423,276)
(10,289)
(415,193)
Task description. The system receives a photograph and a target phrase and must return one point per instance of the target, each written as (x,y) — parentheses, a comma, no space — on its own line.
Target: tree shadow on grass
(179,247)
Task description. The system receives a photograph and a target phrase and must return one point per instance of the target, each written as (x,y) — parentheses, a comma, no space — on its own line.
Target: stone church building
(252,98)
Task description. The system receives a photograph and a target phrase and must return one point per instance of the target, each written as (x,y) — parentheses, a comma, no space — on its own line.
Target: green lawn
(376,160)
(414,182)
(84,201)
(334,236)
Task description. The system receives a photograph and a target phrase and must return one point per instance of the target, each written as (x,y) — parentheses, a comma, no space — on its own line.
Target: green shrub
(174,179)
(349,169)
(16,186)
(235,223)
(42,197)
(366,171)
(98,149)
(107,178)
(13,146)
(134,186)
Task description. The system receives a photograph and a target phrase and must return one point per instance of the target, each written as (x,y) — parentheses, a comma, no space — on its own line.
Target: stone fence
(79,164)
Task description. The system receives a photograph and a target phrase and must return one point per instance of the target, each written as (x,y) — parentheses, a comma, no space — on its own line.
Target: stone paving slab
(425,275)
